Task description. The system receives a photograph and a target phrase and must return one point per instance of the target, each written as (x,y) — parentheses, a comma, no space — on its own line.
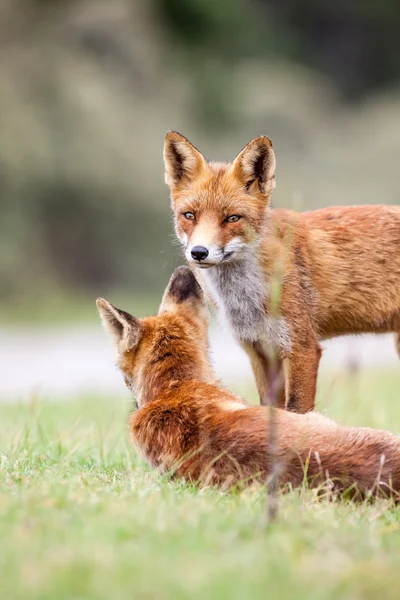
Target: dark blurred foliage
(89,87)
(355,43)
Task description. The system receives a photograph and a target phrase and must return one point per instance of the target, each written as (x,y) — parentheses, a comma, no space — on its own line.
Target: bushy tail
(397,342)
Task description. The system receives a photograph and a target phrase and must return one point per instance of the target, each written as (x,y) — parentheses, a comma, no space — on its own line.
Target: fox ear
(120,325)
(256,163)
(183,289)
(182,161)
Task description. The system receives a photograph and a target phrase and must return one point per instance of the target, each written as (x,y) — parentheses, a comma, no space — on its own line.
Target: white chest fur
(241,293)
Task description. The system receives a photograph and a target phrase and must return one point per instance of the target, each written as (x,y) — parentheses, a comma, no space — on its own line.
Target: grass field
(81,517)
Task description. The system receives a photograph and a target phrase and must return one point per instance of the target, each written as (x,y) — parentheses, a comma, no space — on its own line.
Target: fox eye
(233,219)
(189,216)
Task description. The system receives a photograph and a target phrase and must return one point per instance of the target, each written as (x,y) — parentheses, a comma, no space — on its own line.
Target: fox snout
(199,253)
(203,245)
(207,255)
(204,255)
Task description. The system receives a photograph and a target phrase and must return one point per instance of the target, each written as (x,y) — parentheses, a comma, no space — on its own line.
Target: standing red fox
(189,425)
(338,268)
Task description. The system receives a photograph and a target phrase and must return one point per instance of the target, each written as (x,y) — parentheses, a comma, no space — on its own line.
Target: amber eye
(233,219)
(189,216)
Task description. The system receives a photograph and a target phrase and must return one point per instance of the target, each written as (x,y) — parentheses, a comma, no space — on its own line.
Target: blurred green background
(88,89)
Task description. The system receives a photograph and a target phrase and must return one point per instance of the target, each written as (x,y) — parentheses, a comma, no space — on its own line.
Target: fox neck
(241,294)
(241,291)
(169,372)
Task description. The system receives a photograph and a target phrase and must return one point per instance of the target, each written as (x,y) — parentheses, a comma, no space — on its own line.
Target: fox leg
(301,378)
(268,375)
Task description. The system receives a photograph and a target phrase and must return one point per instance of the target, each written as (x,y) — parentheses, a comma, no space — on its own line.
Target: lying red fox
(186,423)
(338,269)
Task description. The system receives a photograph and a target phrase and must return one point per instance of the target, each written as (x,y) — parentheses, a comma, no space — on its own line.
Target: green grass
(82,517)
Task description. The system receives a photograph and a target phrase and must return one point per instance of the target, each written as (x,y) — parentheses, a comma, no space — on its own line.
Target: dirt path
(60,361)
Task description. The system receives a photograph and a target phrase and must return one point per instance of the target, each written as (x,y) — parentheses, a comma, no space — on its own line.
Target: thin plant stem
(275,380)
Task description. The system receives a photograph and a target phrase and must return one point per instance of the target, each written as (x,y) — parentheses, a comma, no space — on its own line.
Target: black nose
(199,252)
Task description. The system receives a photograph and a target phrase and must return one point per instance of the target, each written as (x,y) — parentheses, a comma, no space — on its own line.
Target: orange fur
(335,271)
(187,424)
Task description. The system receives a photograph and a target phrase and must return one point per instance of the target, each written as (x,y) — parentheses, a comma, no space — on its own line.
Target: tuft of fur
(191,427)
(283,279)
(238,290)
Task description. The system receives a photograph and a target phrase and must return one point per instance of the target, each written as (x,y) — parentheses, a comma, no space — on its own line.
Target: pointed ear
(256,164)
(182,161)
(120,325)
(183,290)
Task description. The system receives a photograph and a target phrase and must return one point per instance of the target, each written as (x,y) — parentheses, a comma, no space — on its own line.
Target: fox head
(156,354)
(219,208)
